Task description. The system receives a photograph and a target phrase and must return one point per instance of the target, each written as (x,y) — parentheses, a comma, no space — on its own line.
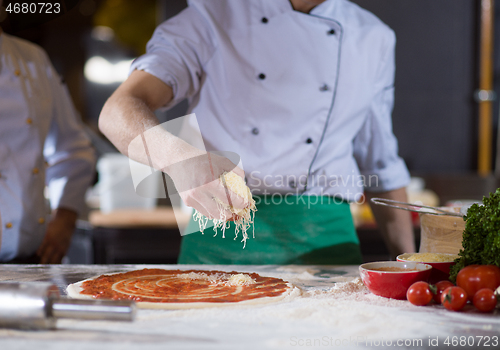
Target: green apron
(294,230)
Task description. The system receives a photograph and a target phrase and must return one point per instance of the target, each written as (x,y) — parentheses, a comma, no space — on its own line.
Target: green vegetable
(481,237)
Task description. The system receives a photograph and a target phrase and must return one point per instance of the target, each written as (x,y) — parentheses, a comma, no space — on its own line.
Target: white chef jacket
(41,141)
(304,99)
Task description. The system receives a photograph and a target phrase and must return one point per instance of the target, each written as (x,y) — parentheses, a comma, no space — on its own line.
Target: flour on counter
(342,288)
(299,269)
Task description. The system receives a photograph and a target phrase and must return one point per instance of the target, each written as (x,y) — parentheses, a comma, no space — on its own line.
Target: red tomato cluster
(475,283)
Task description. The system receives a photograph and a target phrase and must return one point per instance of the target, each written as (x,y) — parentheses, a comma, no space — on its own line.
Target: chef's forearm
(128,121)
(123,118)
(394,224)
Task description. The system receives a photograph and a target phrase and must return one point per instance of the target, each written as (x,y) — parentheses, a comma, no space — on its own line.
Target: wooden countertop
(140,218)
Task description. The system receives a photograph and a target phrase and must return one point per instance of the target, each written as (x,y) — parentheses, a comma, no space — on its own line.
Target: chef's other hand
(197,181)
(57,237)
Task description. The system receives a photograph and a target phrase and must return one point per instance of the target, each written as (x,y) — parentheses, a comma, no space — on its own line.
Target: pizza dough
(183,289)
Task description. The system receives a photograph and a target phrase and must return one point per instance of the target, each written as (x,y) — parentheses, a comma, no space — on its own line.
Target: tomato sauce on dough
(165,286)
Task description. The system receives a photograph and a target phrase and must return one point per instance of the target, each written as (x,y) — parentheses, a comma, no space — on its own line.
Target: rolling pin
(38,305)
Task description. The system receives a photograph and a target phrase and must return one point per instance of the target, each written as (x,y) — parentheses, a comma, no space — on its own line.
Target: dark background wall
(434,114)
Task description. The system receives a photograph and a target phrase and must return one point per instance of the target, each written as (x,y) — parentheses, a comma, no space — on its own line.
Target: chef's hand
(197,181)
(57,237)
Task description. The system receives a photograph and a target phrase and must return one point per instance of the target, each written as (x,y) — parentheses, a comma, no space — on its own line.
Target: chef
(41,142)
(303,91)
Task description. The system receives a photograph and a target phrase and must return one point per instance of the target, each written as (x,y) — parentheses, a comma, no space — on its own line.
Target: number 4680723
(33,7)
(472,341)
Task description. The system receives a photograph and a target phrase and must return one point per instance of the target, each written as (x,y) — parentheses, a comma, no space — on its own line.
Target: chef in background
(303,91)
(41,142)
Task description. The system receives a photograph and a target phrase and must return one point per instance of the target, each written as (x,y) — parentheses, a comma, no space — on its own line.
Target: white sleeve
(375,146)
(67,150)
(177,53)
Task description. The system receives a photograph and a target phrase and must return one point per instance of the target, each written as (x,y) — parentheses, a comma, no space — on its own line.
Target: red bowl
(440,270)
(393,284)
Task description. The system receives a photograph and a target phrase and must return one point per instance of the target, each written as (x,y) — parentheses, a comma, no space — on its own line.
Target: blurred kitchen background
(446,114)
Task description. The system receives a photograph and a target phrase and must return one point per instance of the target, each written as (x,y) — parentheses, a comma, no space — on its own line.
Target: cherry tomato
(485,300)
(475,277)
(419,294)
(454,298)
(438,288)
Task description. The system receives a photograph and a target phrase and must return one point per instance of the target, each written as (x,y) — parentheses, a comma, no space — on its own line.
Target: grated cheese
(227,279)
(432,257)
(240,279)
(245,216)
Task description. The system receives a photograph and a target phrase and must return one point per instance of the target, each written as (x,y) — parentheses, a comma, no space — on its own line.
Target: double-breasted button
(17,72)
(309,140)
(324,87)
(8,225)
(264,20)
(35,171)
(255,131)
(41,220)
(262,76)
(29,121)
(331,32)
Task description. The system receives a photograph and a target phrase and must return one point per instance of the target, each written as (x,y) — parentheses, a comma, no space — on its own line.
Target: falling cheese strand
(245,216)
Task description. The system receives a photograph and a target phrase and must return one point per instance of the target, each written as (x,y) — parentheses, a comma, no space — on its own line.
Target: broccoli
(481,237)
